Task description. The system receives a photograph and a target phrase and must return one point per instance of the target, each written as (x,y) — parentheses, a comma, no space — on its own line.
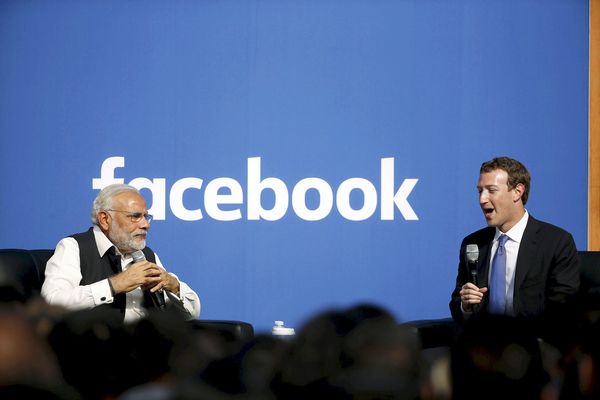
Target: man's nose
(483,198)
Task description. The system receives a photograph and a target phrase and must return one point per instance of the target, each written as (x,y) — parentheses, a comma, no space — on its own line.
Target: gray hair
(104,200)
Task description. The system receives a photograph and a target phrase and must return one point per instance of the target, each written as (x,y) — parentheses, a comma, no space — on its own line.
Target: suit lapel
(527,252)
(483,267)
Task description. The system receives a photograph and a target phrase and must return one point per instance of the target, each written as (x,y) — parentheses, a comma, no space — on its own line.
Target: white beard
(125,242)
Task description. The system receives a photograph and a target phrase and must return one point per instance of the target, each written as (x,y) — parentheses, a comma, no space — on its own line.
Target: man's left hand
(167,282)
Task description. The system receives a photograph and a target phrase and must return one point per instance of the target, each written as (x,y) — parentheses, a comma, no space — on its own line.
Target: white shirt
(515,235)
(63,274)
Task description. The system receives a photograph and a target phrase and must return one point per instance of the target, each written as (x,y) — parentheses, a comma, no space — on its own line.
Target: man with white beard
(96,268)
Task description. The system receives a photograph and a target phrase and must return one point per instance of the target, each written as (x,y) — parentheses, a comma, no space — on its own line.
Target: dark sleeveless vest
(95,268)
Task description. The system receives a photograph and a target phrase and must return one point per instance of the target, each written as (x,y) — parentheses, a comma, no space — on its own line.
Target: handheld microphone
(472,255)
(158,297)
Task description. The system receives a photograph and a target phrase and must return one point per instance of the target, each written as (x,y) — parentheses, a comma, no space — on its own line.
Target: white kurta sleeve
(63,274)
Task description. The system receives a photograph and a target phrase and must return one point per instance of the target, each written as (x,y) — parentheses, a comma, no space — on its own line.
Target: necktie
(498,279)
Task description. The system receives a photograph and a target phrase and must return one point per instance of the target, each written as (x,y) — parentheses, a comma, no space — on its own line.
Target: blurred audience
(28,367)
(498,357)
(359,353)
(362,352)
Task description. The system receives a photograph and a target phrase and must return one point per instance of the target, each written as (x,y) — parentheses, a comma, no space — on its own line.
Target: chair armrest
(230,330)
(434,332)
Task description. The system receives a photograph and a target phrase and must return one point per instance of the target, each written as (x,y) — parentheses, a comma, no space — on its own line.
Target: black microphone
(158,297)
(472,255)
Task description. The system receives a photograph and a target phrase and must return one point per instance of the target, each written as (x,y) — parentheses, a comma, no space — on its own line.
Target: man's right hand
(139,274)
(471,294)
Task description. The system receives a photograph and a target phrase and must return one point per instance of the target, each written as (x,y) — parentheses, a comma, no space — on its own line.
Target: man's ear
(518,192)
(104,220)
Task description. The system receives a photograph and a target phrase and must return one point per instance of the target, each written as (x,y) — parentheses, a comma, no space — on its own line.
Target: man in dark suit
(526,268)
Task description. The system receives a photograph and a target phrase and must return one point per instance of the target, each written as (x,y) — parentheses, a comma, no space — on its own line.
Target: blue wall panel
(321,89)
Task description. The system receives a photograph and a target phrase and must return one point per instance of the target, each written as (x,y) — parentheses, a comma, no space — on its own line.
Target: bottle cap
(280,330)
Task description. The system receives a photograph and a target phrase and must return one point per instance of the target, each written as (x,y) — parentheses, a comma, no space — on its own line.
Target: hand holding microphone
(158,297)
(470,294)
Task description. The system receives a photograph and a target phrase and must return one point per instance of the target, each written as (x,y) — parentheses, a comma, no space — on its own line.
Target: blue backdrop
(316,89)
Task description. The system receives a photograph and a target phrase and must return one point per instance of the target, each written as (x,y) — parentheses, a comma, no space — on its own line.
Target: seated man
(526,267)
(96,268)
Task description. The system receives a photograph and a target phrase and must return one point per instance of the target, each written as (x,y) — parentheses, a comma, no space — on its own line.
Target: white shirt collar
(516,232)
(102,241)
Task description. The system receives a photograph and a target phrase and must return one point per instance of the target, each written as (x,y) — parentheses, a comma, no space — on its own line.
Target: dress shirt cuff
(187,300)
(101,292)
(466,314)
(175,298)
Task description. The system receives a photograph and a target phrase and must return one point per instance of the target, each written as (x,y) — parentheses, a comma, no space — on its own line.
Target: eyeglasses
(135,217)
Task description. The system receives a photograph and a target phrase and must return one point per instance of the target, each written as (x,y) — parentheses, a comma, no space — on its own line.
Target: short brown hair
(517,173)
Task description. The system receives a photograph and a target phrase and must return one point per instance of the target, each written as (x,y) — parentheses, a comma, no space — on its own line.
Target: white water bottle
(280,331)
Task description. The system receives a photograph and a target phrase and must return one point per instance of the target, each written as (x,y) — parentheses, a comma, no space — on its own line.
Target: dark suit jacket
(546,275)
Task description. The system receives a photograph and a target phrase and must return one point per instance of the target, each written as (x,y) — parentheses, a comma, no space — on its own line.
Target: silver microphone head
(138,256)
(472,253)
